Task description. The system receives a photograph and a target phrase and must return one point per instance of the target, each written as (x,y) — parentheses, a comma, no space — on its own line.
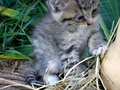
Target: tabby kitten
(61,37)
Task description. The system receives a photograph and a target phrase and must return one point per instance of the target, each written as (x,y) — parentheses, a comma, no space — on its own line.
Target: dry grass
(87,80)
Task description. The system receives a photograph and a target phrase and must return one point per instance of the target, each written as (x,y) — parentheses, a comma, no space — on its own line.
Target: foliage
(110,13)
(17,18)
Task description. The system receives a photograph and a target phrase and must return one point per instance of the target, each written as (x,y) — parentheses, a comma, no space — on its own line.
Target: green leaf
(105,29)
(25,49)
(11,34)
(110,12)
(43,6)
(14,14)
(13,54)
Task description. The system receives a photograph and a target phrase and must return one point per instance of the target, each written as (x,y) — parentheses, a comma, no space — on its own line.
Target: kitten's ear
(57,5)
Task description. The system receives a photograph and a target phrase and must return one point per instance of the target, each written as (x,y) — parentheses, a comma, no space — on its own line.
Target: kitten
(61,37)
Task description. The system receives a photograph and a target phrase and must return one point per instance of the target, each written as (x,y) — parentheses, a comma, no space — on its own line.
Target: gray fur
(61,37)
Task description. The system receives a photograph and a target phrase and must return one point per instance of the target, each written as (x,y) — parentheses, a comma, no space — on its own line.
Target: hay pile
(87,80)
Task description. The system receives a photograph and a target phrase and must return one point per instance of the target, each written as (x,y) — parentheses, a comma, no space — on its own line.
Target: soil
(12,75)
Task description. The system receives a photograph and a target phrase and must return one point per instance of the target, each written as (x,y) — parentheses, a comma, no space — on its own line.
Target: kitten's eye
(66,19)
(79,18)
(95,12)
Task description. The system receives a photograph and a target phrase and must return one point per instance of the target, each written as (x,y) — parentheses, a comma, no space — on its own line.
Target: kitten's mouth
(70,24)
(89,24)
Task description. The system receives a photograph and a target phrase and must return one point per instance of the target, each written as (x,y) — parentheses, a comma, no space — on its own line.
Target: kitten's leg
(47,59)
(51,73)
(53,67)
(44,72)
(71,59)
(97,44)
(50,78)
(31,78)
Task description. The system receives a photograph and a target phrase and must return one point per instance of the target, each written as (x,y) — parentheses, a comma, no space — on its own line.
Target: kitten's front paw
(100,50)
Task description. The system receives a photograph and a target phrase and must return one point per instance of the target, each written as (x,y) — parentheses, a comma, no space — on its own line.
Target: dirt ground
(12,75)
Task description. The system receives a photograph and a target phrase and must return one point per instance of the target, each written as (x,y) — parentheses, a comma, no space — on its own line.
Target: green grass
(110,13)
(17,19)
(16,24)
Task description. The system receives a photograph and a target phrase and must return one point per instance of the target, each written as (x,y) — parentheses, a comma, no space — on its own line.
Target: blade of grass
(11,34)
(25,49)
(105,29)
(13,13)
(110,11)
(113,5)
(13,54)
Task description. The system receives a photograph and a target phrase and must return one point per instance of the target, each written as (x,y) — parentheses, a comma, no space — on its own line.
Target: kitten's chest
(66,39)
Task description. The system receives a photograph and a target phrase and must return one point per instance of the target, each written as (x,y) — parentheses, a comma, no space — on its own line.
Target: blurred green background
(18,17)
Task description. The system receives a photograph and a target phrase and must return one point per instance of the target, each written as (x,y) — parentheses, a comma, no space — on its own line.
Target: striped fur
(61,37)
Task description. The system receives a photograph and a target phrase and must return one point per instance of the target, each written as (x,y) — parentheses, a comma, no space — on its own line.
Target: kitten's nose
(89,21)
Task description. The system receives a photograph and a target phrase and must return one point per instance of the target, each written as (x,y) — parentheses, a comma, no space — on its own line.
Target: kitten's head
(74,13)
